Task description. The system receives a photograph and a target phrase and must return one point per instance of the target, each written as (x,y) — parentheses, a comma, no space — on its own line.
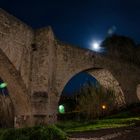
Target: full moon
(95,46)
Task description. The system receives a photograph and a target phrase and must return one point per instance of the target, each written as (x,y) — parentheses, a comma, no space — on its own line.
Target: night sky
(77,82)
(79,22)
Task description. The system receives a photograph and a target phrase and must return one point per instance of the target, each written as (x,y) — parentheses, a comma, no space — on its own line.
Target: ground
(124,125)
(125,133)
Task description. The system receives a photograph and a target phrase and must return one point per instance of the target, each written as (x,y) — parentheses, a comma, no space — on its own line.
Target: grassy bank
(119,120)
(63,128)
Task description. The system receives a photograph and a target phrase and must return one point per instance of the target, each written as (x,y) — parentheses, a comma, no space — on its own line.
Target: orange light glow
(103,106)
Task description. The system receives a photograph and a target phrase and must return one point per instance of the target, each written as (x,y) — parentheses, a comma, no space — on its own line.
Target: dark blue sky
(78,81)
(79,21)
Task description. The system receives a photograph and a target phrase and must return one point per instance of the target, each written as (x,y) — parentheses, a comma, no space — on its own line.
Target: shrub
(123,48)
(96,102)
(34,133)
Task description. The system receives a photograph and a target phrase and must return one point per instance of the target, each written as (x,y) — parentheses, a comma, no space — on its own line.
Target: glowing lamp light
(61,109)
(3,85)
(103,107)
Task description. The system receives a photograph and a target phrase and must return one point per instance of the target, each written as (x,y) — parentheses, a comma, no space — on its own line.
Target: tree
(96,101)
(122,48)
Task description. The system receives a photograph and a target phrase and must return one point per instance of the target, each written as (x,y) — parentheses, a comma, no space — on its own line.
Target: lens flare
(61,109)
(3,85)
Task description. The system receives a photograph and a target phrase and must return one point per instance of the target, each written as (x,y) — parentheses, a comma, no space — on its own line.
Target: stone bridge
(37,67)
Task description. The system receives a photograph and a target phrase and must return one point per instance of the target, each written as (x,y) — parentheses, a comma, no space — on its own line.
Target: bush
(34,133)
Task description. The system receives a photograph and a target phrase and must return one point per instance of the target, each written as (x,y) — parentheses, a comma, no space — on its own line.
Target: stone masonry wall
(42,74)
(17,90)
(70,61)
(127,75)
(15,41)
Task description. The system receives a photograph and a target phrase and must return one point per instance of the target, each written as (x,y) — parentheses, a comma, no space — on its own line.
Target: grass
(120,120)
(33,133)
(59,131)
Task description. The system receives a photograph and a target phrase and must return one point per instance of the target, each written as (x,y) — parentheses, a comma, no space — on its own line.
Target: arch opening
(81,86)
(7,108)
(68,103)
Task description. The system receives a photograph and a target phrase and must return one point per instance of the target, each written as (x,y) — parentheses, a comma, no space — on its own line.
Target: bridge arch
(105,79)
(17,90)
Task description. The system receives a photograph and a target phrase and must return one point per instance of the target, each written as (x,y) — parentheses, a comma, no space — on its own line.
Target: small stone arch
(17,90)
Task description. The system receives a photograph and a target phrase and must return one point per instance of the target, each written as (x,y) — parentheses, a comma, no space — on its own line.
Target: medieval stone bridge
(37,67)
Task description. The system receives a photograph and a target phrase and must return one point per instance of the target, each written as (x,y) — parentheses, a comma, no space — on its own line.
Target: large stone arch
(17,90)
(104,77)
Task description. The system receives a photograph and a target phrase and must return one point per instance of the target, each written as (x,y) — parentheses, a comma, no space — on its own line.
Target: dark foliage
(34,133)
(123,48)
(93,99)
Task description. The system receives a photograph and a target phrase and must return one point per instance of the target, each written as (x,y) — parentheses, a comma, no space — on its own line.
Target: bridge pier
(44,108)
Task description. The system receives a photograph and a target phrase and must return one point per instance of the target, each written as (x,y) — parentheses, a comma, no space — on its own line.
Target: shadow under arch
(77,82)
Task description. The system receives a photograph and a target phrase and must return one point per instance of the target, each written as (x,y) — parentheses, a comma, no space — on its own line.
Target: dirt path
(126,133)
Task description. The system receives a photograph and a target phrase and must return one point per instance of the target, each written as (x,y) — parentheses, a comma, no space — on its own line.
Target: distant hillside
(122,48)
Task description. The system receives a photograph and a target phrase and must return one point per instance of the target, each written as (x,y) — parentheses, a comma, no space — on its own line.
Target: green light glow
(3,85)
(61,109)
